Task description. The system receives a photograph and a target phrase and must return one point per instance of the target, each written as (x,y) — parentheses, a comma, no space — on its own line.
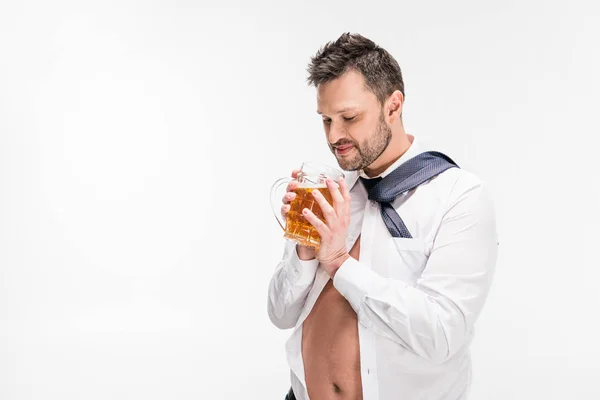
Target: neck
(398,145)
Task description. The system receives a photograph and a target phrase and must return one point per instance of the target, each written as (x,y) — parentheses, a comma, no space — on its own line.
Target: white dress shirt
(416,299)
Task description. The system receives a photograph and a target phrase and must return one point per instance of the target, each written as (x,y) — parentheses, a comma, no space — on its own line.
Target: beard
(366,152)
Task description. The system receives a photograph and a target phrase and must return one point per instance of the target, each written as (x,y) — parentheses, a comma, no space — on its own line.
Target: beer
(297,228)
(310,177)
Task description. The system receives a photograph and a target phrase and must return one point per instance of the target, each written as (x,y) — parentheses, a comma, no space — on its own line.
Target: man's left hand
(332,251)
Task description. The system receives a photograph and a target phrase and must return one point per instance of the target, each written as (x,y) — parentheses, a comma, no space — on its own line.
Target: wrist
(305,253)
(332,264)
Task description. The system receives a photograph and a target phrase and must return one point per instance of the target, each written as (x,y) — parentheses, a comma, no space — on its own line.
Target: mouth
(343,149)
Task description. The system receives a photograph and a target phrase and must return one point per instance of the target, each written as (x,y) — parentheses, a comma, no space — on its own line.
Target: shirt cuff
(354,281)
(301,272)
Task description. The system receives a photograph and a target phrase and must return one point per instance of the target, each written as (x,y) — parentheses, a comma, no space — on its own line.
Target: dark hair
(380,70)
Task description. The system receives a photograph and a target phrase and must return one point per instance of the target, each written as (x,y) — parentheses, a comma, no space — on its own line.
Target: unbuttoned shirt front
(416,299)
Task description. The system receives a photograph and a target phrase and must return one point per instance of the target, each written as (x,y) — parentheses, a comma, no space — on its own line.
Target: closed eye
(349,119)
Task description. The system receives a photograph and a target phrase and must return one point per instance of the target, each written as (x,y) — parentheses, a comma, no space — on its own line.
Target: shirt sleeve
(289,286)
(434,317)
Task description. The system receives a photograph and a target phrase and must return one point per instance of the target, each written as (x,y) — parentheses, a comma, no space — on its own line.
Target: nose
(335,132)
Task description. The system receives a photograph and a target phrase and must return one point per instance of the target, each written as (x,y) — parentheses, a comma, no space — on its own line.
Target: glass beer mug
(297,228)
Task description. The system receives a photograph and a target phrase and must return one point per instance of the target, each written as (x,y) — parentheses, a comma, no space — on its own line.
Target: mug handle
(277,212)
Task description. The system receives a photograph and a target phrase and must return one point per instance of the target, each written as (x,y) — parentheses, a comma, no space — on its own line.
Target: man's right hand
(304,252)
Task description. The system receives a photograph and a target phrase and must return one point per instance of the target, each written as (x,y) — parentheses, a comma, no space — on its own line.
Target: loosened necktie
(406,177)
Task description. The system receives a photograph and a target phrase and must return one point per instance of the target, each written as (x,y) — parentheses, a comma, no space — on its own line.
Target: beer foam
(310,185)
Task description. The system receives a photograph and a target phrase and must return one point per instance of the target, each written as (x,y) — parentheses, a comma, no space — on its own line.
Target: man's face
(356,131)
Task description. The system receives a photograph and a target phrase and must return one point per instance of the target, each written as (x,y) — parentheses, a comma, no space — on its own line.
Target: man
(383,310)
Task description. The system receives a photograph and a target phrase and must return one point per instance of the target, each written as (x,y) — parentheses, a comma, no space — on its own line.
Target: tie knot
(370,183)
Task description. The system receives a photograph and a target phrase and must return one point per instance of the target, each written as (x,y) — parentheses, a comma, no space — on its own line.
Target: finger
(343,187)
(295,173)
(293,185)
(326,208)
(285,209)
(288,197)
(344,190)
(319,225)
(338,199)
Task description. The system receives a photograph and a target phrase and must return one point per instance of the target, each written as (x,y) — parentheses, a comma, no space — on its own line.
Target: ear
(393,107)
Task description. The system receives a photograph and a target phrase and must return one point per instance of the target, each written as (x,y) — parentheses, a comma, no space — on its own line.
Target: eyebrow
(343,110)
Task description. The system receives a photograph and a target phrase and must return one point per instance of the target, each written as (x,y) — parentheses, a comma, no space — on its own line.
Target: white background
(138,144)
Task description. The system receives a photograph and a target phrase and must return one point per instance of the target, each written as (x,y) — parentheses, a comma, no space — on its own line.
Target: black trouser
(290,395)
